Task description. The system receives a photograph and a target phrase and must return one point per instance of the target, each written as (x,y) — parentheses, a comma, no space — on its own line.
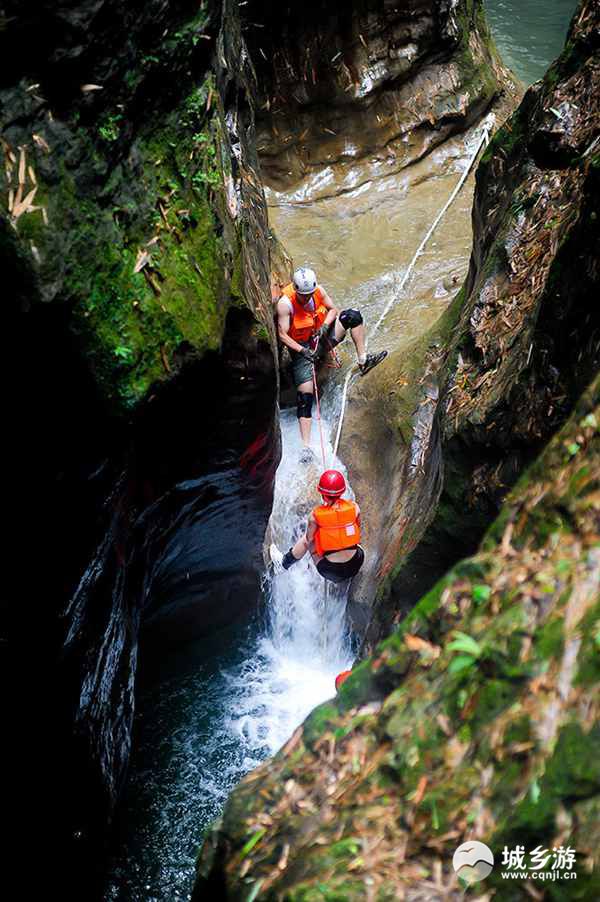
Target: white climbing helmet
(305,280)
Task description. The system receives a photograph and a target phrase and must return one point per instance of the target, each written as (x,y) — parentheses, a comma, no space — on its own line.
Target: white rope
(484,139)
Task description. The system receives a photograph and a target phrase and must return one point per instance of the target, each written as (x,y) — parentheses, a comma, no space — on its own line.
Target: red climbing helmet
(332,484)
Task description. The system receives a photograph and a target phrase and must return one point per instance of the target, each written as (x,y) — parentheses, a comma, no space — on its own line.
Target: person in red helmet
(333,533)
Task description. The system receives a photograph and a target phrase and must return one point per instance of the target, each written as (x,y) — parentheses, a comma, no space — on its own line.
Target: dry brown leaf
(20,208)
(455,751)
(444,724)
(415,643)
(143,258)
(165,359)
(18,198)
(11,200)
(86,88)
(22,166)
(41,142)
(32,177)
(282,863)
(420,791)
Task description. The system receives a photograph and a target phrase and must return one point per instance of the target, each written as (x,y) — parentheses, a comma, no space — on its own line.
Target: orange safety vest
(305,322)
(337,526)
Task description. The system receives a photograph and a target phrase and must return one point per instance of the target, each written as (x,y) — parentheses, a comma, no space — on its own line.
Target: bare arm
(331,308)
(284,321)
(303,544)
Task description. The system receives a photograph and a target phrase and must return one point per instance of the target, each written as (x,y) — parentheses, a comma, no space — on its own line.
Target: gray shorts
(302,369)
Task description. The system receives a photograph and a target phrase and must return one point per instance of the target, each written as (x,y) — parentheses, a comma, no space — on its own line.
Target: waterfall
(305,643)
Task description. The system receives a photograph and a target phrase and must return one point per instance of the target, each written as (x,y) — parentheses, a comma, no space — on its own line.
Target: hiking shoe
(307,455)
(371,361)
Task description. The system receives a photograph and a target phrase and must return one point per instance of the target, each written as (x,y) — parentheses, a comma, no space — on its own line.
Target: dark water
(529,34)
(185,765)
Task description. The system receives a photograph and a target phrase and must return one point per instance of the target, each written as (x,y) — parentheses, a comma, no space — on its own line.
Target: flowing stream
(222,705)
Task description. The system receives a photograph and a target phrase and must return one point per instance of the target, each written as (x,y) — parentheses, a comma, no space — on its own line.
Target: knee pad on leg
(350,318)
(304,401)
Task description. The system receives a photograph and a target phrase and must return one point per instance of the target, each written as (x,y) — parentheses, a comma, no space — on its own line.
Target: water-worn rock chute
(364,79)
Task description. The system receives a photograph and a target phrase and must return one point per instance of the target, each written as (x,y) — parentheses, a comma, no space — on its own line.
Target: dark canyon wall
(133,234)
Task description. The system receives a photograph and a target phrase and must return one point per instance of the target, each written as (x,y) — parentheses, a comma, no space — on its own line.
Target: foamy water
(306,642)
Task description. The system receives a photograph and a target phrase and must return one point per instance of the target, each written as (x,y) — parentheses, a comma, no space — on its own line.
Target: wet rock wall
(382,80)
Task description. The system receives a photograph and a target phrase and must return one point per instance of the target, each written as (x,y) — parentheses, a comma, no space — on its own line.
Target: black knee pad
(304,401)
(350,318)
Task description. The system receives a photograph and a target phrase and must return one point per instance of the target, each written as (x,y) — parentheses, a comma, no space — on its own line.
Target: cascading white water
(306,643)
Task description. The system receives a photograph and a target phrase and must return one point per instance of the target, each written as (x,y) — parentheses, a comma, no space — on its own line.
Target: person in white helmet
(309,324)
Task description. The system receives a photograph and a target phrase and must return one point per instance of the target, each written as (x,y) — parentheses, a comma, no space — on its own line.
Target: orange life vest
(305,322)
(337,526)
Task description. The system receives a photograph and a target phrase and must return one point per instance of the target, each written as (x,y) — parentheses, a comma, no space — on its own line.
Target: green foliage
(110,127)
(253,841)
(466,644)
(481,593)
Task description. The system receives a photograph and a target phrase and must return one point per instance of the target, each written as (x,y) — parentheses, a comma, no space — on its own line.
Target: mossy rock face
(516,346)
(478,718)
(125,205)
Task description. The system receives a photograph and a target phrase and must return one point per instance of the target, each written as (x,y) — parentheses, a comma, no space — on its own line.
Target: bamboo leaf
(465,643)
(481,593)
(254,891)
(461,662)
(254,839)
(22,166)
(21,206)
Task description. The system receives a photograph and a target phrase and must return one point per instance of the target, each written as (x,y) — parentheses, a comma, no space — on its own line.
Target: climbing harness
(483,139)
(319,416)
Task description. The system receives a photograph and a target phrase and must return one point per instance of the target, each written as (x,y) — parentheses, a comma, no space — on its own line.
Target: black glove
(309,354)
(288,560)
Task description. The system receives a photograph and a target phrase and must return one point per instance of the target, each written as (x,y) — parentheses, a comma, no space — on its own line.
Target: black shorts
(340,571)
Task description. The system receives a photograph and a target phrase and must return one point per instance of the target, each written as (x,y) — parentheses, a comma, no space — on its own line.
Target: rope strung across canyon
(483,139)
